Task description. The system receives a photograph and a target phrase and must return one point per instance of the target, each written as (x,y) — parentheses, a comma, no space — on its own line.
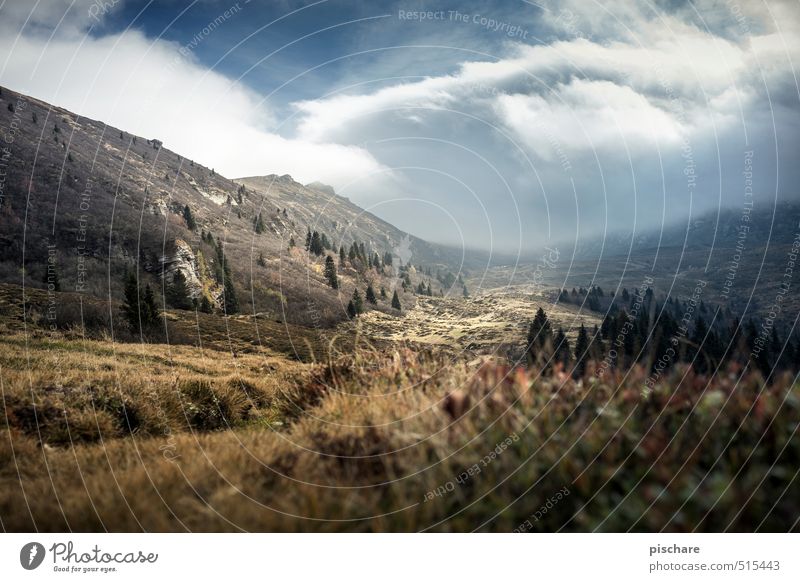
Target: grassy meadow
(99,435)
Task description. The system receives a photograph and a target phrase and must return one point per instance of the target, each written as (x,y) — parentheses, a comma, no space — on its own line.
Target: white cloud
(144,86)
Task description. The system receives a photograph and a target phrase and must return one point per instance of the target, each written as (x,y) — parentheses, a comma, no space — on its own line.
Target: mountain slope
(318,206)
(90,203)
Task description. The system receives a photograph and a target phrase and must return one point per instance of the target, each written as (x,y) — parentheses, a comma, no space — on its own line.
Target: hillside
(91,203)
(741,256)
(321,208)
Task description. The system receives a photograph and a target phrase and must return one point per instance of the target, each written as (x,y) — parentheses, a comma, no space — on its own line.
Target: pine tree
(695,352)
(561,343)
(292,244)
(396,301)
(371,295)
(150,308)
(189,218)
(540,340)
(258,224)
(230,301)
(539,332)
(330,273)
(130,307)
(351,309)
(341,255)
(177,293)
(315,246)
(581,355)
(205,305)
(358,302)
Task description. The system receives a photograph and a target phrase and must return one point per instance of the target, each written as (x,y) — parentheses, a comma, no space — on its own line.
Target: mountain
(86,203)
(319,207)
(741,258)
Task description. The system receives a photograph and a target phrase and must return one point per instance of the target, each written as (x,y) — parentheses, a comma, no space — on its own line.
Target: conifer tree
(316,244)
(177,293)
(358,303)
(230,301)
(581,352)
(258,224)
(189,218)
(330,273)
(561,343)
(396,301)
(540,339)
(371,295)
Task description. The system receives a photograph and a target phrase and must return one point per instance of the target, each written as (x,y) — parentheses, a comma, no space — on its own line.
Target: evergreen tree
(330,273)
(351,309)
(371,295)
(149,306)
(230,301)
(695,352)
(177,293)
(540,336)
(561,344)
(341,255)
(539,332)
(189,218)
(396,301)
(316,244)
(258,224)
(358,302)
(308,240)
(581,355)
(383,293)
(292,244)
(205,305)
(261,261)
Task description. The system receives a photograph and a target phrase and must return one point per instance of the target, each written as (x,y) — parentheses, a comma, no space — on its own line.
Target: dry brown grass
(394,425)
(65,391)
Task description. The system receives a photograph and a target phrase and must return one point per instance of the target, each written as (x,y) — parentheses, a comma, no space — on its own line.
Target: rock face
(184,260)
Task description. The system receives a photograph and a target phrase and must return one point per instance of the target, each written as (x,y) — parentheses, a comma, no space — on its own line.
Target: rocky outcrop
(184,260)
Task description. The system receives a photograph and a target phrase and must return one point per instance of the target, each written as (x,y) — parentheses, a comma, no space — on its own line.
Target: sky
(502,125)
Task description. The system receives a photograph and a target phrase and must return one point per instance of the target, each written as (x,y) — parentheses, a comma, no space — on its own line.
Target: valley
(182,351)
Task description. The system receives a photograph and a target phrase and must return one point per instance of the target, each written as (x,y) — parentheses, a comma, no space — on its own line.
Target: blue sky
(358,37)
(502,125)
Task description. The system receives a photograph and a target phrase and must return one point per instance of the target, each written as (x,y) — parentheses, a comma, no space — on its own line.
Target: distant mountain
(765,223)
(318,206)
(743,256)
